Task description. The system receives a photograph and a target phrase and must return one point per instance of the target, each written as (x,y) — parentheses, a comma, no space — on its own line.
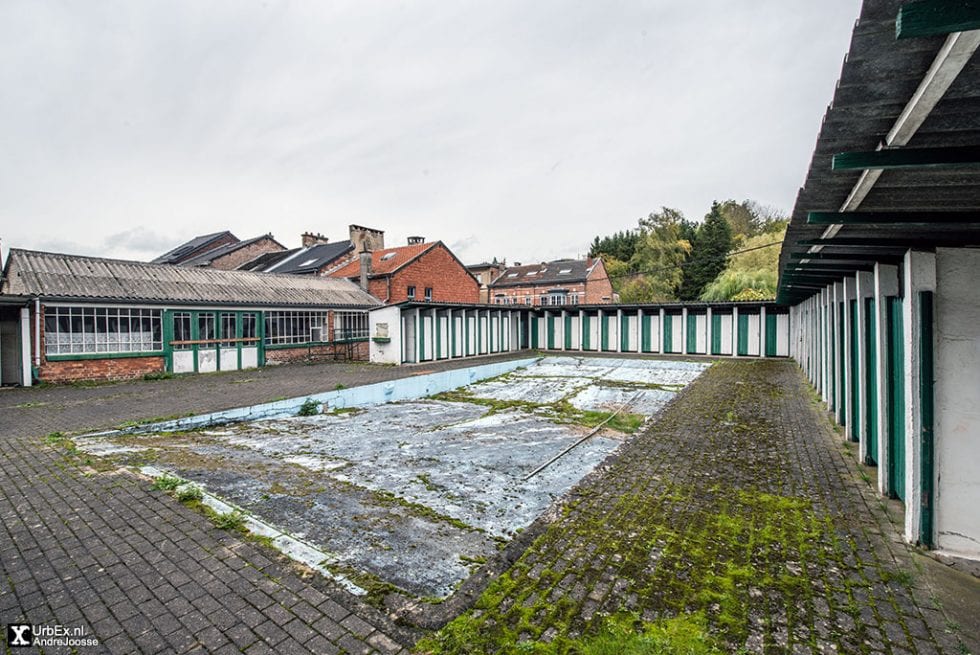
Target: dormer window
(388,255)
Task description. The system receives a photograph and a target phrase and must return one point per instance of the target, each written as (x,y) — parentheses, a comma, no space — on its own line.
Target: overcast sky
(504,128)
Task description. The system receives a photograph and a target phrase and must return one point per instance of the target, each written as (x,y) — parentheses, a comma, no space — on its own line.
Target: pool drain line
(583,439)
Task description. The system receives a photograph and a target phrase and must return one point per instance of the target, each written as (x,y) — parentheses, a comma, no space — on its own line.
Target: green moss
(309,407)
(375,587)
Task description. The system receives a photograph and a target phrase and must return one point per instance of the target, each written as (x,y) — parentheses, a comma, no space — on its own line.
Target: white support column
(864,288)
(684,330)
(850,293)
(639,331)
(581,329)
(663,345)
(920,275)
(619,330)
(599,318)
(25,347)
(886,284)
(734,331)
(761,339)
(825,345)
(707,331)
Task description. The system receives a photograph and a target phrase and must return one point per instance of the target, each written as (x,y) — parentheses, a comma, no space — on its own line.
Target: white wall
(381,322)
(957,401)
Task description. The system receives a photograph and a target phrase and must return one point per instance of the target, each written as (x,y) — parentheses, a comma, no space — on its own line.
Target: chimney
(365,269)
(310,239)
(366,238)
(414,241)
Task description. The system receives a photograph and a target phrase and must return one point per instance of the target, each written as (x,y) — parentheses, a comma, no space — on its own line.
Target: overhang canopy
(900,97)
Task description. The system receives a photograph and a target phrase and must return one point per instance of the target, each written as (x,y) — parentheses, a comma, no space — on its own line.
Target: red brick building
(419,271)
(561,282)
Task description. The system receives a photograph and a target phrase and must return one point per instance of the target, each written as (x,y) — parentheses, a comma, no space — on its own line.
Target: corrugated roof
(385,261)
(309,260)
(561,271)
(880,78)
(209,256)
(52,275)
(188,247)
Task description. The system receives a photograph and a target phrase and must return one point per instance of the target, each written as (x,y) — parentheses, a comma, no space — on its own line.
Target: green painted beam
(839,255)
(907,158)
(887,218)
(936,18)
(831,268)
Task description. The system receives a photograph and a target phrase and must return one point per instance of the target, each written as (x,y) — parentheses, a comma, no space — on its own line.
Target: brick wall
(535,291)
(302,353)
(598,287)
(221,241)
(100,369)
(235,259)
(438,269)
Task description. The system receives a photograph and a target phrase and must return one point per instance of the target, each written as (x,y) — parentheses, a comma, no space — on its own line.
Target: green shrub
(188,492)
(167,482)
(309,407)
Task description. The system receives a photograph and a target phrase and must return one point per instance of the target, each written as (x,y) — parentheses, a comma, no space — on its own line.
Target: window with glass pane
(294,327)
(249,325)
(182,330)
(95,330)
(228,328)
(205,328)
(350,325)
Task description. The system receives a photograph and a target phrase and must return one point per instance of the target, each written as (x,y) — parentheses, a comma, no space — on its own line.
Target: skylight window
(532,273)
(388,255)
(512,275)
(309,261)
(564,271)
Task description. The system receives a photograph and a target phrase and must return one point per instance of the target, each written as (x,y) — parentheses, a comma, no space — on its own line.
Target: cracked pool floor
(414,495)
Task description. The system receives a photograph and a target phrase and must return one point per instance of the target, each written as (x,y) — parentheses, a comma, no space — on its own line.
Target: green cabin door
(550,319)
(624,333)
(771,324)
(743,334)
(716,334)
(604,332)
(871,380)
(896,398)
(568,332)
(668,333)
(534,331)
(586,332)
(645,334)
(855,391)
(692,334)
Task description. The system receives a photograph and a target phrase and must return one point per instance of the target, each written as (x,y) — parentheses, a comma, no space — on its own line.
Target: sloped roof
(881,92)
(266,260)
(186,248)
(308,260)
(386,261)
(68,277)
(561,271)
(209,256)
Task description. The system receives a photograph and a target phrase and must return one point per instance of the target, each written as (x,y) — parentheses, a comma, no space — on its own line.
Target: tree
(750,275)
(620,245)
(660,254)
(709,251)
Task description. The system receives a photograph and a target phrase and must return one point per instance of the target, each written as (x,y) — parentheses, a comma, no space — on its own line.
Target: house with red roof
(418,271)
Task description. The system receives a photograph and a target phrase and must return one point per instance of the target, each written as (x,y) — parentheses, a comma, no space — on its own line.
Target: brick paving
(145,574)
(133,566)
(740,507)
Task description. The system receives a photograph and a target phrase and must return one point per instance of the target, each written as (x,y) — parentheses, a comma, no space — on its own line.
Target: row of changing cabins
(417,332)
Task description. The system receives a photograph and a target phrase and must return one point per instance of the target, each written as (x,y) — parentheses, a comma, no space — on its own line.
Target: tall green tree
(660,255)
(709,251)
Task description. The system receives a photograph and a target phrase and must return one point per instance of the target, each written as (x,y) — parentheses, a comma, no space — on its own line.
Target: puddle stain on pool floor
(417,494)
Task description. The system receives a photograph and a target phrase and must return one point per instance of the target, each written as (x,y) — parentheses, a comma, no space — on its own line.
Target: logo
(19,634)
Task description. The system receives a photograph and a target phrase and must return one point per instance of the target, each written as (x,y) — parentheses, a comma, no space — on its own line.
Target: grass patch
(375,587)
(234,521)
(167,482)
(346,411)
(30,405)
(159,375)
(188,492)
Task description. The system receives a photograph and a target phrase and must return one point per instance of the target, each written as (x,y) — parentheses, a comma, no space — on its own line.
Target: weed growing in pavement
(188,492)
(167,482)
(309,407)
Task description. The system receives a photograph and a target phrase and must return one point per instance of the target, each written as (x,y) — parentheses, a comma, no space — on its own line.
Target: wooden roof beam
(889,218)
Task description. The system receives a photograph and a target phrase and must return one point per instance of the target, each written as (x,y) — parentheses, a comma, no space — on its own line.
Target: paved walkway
(741,512)
(740,507)
(136,568)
